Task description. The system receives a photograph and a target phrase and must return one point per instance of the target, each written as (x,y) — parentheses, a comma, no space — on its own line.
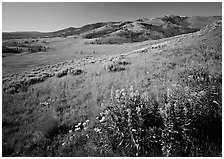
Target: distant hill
(77,31)
(127,31)
(60,33)
(149,29)
(22,35)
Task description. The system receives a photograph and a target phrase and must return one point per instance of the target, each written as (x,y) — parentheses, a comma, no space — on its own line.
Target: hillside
(127,31)
(160,97)
(149,29)
(22,35)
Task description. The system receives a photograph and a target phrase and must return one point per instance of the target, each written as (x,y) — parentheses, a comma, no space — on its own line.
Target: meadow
(154,98)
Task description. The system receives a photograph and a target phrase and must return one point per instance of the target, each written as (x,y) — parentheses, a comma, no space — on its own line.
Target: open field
(152,98)
(61,50)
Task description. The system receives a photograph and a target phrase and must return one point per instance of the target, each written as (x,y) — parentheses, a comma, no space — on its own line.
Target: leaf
(216,103)
(120,143)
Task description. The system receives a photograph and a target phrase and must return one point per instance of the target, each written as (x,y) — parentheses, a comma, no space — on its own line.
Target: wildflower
(132,94)
(85,123)
(85,128)
(129,111)
(70,131)
(202,93)
(190,77)
(102,105)
(103,119)
(107,112)
(97,130)
(210,77)
(194,94)
(131,88)
(175,85)
(136,93)
(117,94)
(45,103)
(77,129)
(101,114)
(122,92)
(79,124)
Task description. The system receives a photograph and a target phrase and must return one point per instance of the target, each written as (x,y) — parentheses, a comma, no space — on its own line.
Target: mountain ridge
(143,28)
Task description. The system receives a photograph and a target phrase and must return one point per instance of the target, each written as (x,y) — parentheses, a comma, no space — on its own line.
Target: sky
(52,16)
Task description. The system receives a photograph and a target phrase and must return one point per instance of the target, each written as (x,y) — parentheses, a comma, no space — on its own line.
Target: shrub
(192,116)
(123,62)
(36,48)
(76,72)
(115,66)
(62,72)
(34,80)
(110,66)
(133,124)
(11,90)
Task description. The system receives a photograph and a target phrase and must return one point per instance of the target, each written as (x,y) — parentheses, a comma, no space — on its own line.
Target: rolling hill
(127,31)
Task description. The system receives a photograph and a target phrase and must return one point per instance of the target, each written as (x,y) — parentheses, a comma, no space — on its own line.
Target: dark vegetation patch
(116,65)
(27,46)
(36,48)
(6,49)
(16,83)
(76,72)
(62,73)
(72,71)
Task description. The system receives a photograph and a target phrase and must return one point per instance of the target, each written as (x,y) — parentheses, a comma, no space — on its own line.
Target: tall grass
(188,123)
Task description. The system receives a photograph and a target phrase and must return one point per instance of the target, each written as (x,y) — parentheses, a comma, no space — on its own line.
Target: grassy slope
(61,50)
(145,29)
(76,98)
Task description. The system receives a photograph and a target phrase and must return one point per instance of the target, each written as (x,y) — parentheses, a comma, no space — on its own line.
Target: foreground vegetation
(157,102)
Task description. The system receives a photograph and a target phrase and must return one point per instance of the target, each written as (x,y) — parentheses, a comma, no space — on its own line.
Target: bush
(36,48)
(76,72)
(62,73)
(133,124)
(192,116)
(110,66)
(114,66)
(11,90)
(123,62)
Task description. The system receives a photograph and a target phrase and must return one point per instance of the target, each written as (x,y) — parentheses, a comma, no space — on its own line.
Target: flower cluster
(131,120)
